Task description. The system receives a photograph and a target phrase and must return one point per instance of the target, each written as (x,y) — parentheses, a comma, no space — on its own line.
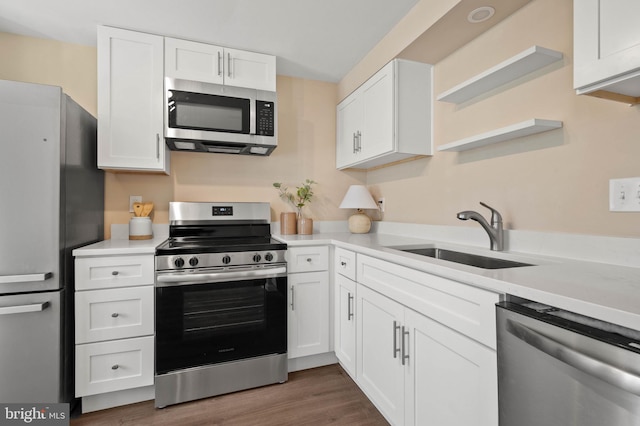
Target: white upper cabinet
(190,60)
(131,101)
(607,49)
(388,118)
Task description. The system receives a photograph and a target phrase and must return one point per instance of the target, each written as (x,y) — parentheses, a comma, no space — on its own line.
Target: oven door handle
(173,279)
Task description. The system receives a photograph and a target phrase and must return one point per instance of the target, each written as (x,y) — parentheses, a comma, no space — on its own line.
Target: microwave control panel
(265,118)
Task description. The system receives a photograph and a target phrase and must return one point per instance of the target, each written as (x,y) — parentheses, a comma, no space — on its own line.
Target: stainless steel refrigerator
(51,201)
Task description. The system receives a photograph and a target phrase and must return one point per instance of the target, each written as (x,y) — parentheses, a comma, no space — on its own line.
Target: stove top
(206,235)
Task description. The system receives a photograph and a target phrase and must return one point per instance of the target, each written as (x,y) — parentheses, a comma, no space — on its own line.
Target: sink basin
(466,258)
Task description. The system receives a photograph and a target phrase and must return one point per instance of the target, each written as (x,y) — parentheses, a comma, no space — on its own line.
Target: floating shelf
(525,128)
(530,60)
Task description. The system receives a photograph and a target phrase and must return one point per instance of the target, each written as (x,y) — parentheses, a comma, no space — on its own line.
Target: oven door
(212,317)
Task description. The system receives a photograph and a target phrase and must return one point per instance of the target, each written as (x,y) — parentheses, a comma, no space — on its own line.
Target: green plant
(301,197)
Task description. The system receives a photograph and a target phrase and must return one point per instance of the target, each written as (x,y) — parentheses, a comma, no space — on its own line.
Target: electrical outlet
(381,204)
(624,195)
(134,199)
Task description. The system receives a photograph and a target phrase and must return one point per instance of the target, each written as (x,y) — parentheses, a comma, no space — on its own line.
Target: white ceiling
(315,39)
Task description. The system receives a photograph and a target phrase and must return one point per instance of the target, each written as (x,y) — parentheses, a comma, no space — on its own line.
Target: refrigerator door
(30,164)
(31,357)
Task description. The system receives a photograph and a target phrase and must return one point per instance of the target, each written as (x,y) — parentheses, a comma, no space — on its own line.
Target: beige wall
(35,60)
(555,181)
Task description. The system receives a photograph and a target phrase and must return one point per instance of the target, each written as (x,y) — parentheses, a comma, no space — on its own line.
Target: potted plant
(298,199)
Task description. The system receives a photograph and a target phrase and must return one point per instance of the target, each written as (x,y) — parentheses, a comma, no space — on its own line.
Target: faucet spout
(494,230)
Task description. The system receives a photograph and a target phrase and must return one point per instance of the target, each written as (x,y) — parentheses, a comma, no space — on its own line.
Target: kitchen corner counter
(607,292)
(116,247)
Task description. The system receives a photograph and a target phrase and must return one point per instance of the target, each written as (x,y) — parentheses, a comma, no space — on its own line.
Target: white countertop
(607,292)
(122,246)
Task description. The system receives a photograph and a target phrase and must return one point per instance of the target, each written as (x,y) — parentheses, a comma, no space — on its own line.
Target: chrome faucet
(496,234)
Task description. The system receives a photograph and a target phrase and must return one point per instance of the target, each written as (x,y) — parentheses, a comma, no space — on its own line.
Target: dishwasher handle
(613,375)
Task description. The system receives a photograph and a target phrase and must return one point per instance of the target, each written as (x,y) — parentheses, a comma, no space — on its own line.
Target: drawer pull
(309,259)
(115,315)
(115,273)
(115,367)
(343,263)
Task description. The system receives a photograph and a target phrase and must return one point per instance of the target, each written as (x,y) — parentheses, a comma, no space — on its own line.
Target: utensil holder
(140,228)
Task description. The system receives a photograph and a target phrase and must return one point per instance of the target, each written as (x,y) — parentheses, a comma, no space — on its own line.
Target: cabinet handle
(349,310)
(115,315)
(292,297)
(343,264)
(219,64)
(354,143)
(228,64)
(396,349)
(404,355)
(359,137)
(158,146)
(115,367)
(309,260)
(115,273)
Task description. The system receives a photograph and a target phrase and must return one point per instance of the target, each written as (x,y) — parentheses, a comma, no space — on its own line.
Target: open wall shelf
(525,128)
(530,60)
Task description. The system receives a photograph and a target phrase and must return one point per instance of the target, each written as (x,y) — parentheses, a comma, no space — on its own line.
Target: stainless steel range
(221,302)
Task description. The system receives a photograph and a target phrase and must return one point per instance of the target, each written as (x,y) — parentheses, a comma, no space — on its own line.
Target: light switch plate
(624,195)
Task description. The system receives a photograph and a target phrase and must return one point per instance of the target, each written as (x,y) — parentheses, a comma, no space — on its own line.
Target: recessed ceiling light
(480,14)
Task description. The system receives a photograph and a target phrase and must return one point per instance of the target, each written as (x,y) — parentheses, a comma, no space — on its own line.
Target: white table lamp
(358,197)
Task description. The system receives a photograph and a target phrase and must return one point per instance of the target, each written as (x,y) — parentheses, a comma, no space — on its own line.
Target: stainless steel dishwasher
(556,368)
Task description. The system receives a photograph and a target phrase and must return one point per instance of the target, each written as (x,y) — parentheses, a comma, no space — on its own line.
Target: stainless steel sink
(466,258)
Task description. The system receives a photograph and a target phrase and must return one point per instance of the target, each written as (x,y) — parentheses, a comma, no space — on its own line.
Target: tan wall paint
(306,149)
(553,182)
(70,66)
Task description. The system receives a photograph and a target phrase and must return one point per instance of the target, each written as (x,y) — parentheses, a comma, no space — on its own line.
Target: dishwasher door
(555,372)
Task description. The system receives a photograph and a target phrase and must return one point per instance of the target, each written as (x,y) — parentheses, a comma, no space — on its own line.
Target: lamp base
(359,223)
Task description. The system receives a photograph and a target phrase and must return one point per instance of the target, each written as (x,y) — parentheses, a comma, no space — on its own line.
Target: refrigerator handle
(621,379)
(21,309)
(25,278)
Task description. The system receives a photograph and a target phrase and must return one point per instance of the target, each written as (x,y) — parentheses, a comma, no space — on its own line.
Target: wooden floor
(320,396)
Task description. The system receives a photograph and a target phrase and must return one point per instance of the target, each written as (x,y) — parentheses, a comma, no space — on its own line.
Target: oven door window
(210,323)
(197,111)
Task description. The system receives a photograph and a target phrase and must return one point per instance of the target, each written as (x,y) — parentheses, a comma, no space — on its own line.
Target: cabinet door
(349,129)
(453,379)
(308,314)
(189,60)
(379,105)
(380,373)
(131,101)
(606,41)
(345,323)
(249,69)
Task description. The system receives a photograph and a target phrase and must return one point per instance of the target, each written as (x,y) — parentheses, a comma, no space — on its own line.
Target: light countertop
(122,246)
(607,292)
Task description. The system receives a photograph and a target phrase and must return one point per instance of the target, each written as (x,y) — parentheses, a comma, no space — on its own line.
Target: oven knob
(257,258)
(226,259)
(268,257)
(193,261)
(179,262)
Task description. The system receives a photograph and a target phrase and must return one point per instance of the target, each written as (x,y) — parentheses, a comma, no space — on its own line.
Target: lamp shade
(358,197)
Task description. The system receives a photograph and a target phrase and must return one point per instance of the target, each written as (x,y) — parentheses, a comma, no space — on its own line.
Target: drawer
(113,313)
(114,271)
(308,259)
(467,309)
(112,366)
(345,263)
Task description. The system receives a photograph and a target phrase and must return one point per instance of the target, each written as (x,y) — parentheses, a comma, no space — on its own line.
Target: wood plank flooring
(320,396)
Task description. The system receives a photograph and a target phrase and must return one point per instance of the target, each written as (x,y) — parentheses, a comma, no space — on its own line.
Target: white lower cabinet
(345,324)
(419,356)
(308,314)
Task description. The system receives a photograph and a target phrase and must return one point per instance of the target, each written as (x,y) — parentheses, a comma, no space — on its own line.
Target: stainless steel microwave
(214,118)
